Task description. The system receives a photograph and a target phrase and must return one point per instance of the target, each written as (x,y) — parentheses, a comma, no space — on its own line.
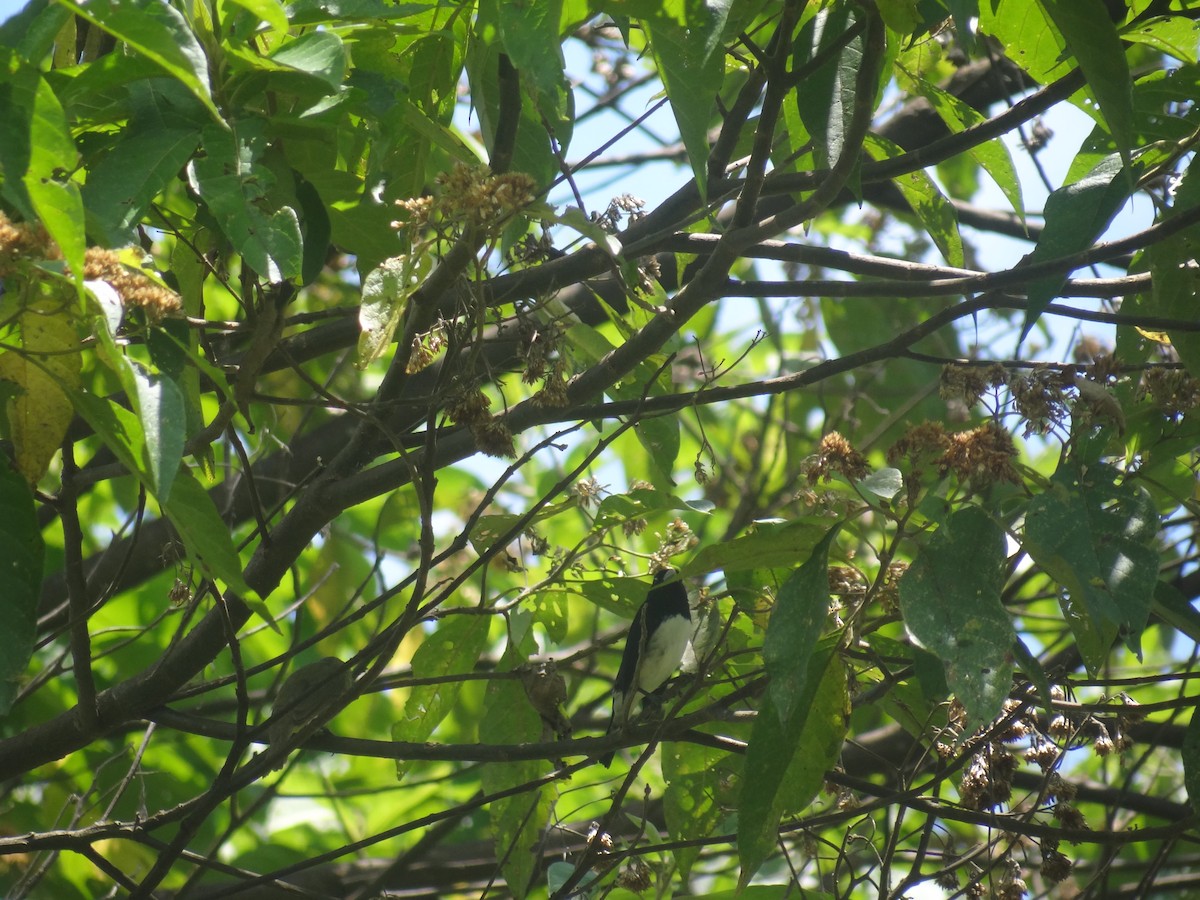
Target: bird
(306,694)
(654,647)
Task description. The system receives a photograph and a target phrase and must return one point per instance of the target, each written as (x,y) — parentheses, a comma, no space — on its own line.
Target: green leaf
(826,103)
(885,483)
(659,435)
(1023,24)
(616,509)
(517,821)
(159,402)
(950,600)
(1175,285)
(797,621)
(771,546)
(453,648)
(691,60)
(269,11)
(542,125)
(690,801)
(929,204)
(156,144)
(207,538)
(1075,216)
(320,54)
(229,178)
(203,532)
(1190,754)
(159,32)
(48,369)
(1095,537)
(992,156)
(119,429)
(1174,36)
(529,31)
(1174,293)
(385,294)
(21,551)
(1094,42)
(551,610)
(786,762)
(37,156)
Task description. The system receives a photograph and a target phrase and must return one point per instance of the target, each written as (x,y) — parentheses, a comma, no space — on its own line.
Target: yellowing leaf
(41,410)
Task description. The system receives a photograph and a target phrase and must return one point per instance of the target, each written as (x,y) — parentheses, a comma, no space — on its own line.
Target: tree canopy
(361,362)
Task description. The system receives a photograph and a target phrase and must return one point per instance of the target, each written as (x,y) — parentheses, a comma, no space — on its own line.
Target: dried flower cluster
(136,290)
(987,780)
(471,407)
(678,539)
(835,455)
(20,241)
(1045,397)
(588,492)
(619,207)
(1040,397)
(1174,391)
(979,457)
(968,384)
(470,196)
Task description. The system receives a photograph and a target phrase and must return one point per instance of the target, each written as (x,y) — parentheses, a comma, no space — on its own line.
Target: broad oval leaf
(950,600)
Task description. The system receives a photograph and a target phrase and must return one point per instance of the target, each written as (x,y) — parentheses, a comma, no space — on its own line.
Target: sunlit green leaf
(452,649)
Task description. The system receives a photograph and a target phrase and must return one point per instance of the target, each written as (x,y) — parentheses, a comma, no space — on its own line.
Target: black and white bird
(654,647)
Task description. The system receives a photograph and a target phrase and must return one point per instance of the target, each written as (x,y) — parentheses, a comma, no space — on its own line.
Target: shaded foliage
(348,378)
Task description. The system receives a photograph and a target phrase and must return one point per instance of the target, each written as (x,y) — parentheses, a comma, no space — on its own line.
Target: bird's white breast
(663,652)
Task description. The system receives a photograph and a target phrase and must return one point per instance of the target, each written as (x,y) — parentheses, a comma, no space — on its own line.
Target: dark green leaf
(801,608)
(21,552)
(1075,216)
(159,403)
(542,125)
(1190,753)
(206,535)
(1172,264)
(1093,41)
(121,187)
(529,31)
(159,32)
(691,61)
(826,103)
(1095,536)
(233,184)
(950,600)
(786,762)
(320,54)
